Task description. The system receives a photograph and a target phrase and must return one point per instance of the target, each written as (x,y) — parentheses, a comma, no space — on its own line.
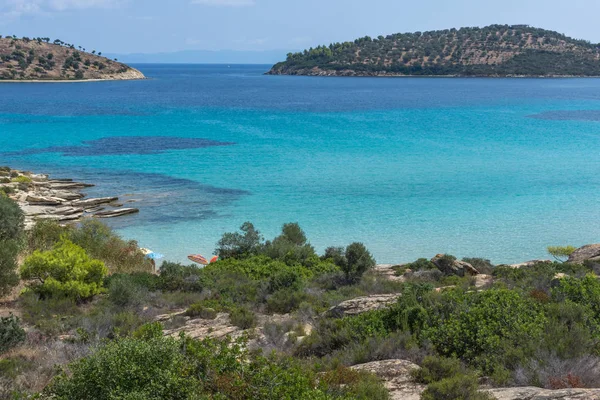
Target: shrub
(479,327)
(484,266)
(102,243)
(435,369)
(174,276)
(45,234)
(358,261)
(9,250)
(291,246)
(243,318)
(64,271)
(422,264)
(463,387)
(11,333)
(237,244)
(198,310)
(285,301)
(11,220)
(124,291)
(344,381)
(22,179)
(127,368)
(153,330)
(164,368)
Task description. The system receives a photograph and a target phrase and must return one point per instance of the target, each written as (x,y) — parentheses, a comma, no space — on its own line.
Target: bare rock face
(454,267)
(387,271)
(396,378)
(589,252)
(529,263)
(202,328)
(482,281)
(361,305)
(533,393)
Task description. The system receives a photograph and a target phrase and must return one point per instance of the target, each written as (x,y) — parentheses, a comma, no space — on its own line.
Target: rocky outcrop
(200,328)
(55,199)
(449,266)
(534,393)
(119,212)
(361,305)
(589,252)
(529,263)
(90,203)
(395,375)
(388,272)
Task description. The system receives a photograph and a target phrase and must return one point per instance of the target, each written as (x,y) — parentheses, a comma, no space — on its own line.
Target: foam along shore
(59,200)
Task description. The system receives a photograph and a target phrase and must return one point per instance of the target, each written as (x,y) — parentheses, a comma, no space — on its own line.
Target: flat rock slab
(69,185)
(202,328)
(534,393)
(87,203)
(364,304)
(116,213)
(396,378)
(44,200)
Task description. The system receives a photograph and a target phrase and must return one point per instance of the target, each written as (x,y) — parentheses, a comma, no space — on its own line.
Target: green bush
(435,369)
(285,301)
(198,310)
(243,318)
(124,291)
(128,369)
(237,244)
(459,387)
(22,179)
(103,244)
(153,330)
(358,261)
(9,251)
(11,233)
(64,271)
(174,276)
(45,234)
(11,333)
(163,368)
(478,327)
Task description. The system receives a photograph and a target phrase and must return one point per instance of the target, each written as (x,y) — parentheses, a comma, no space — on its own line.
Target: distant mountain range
(204,57)
(496,50)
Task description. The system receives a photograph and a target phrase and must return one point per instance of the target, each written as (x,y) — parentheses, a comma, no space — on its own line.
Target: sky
(155,26)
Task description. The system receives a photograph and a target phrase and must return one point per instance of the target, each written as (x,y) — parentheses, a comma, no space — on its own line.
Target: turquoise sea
(495,168)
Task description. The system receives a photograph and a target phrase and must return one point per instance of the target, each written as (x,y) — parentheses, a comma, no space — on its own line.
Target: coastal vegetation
(42,59)
(274,319)
(495,50)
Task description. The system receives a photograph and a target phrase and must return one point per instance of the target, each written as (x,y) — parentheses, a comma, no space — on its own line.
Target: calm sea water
(496,168)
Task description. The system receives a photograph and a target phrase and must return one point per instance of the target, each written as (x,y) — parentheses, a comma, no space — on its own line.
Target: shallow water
(496,168)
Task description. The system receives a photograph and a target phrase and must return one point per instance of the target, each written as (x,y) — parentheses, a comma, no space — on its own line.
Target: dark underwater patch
(125,145)
(580,115)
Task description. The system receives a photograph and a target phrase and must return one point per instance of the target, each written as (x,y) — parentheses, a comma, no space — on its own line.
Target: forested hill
(41,59)
(496,50)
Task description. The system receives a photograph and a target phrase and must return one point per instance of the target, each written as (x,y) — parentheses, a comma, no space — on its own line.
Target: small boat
(214,259)
(199,259)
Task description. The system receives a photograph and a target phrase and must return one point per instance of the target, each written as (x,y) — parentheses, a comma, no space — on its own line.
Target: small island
(39,59)
(492,51)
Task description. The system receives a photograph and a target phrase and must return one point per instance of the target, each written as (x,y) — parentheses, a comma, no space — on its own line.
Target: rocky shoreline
(61,200)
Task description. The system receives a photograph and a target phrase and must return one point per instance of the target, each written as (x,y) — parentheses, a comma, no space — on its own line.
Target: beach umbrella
(197,258)
(154,256)
(214,259)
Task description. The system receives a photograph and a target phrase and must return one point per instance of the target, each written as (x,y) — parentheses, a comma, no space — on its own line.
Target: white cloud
(225,3)
(17,8)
